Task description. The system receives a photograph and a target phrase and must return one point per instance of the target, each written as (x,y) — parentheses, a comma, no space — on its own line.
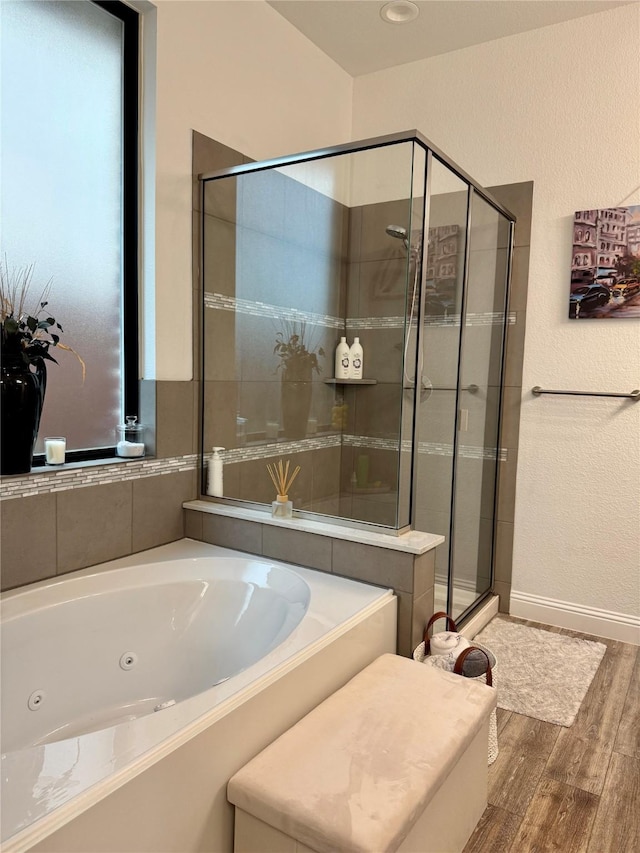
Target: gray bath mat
(541,674)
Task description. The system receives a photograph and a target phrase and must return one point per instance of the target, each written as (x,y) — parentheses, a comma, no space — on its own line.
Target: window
(69,201)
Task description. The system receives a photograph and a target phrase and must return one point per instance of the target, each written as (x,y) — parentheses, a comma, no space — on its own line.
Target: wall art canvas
(605,266)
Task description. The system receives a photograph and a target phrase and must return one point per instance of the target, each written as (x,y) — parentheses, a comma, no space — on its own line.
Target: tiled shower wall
(518,198)
(57,521)
(266,264)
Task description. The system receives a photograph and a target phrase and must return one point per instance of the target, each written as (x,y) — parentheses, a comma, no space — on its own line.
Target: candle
(273,428)
(54,450)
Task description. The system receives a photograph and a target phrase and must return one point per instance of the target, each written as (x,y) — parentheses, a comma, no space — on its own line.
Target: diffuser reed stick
(280,478)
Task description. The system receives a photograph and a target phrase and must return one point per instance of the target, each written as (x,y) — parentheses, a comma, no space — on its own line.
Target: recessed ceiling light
(399,12)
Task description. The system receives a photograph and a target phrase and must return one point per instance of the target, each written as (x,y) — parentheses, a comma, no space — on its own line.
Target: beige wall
(558,106)
(238,73)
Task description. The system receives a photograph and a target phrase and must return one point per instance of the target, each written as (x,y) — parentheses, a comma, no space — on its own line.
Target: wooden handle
(463,656)
(451,626)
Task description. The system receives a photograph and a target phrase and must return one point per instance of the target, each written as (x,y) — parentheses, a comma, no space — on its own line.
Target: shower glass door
(478,412)
(458,413)
(443,277)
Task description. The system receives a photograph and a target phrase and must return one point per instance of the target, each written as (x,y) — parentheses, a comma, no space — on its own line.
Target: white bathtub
(134,690)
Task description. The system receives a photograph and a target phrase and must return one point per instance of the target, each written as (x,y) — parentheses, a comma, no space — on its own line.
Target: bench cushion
(356,773)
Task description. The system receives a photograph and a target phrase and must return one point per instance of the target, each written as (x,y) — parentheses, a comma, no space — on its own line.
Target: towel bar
(633,395)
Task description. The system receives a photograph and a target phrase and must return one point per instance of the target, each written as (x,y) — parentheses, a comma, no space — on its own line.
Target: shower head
(397,231)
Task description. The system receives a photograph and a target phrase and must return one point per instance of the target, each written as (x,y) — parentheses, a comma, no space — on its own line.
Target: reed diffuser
(282,507)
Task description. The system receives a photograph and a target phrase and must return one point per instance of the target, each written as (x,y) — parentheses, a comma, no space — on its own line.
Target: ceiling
(352,33)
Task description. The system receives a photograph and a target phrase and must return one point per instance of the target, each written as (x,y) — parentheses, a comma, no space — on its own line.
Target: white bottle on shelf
(356,359)
(342,360)
(215,485)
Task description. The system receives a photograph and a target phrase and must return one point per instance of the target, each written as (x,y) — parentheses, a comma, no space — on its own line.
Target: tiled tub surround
(404,563)
(57,521)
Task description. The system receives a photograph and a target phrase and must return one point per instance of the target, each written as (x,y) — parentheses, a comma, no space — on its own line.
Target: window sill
(70,466)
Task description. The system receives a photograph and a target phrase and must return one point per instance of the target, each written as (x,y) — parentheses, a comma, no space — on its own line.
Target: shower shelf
(351,381)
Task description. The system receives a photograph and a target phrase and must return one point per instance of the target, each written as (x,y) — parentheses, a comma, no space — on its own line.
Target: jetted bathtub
(132,691)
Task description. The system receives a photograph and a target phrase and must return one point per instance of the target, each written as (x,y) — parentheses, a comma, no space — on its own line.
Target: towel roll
(446,642)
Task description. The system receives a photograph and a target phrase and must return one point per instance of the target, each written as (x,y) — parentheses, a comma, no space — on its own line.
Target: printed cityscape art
(605,266)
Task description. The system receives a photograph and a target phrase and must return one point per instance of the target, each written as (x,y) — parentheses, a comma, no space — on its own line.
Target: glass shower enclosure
(389,242)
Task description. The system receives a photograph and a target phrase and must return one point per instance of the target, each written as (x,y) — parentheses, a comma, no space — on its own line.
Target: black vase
(296,403)
(22,397)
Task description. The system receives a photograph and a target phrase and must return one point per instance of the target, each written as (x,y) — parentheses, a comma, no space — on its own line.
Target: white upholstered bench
(396,760)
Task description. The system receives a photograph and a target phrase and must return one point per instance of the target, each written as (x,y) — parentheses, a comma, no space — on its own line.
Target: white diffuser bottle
(342,360)
(356,359)
(214,474)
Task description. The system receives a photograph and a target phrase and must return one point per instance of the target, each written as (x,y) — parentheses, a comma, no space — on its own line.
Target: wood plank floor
(570,790)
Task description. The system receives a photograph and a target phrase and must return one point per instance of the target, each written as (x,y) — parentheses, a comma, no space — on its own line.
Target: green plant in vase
(27,333)
(298,360)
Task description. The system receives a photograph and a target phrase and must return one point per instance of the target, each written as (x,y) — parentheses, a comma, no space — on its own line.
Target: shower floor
(463,598)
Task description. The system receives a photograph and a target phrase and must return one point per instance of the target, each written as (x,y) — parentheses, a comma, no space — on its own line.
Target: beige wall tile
(507,487)
(515,350)
(208,155)
(148,414)
(422,611)
(220,407)
(326,472)
(511,403)
(196,326)
(193,524)
(219,258)
(375,243)
(519,279)
(292,546)
(503,551)
(381,566)
(504,591)
(232,533)
(28,540)
(158,516)
(94,525)
(197,425)
(424,566)
(518,199)
(405,626)
(174,419)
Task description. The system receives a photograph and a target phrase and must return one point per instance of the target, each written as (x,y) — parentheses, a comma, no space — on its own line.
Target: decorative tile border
(493,318)
(282,448)
(425,447)
(48,481)
(277,312)
(264,309)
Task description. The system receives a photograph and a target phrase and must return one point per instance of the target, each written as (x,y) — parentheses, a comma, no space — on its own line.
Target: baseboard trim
(576,617)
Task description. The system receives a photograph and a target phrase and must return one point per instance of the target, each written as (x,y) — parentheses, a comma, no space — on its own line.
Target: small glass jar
(130,438)
(282,507)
